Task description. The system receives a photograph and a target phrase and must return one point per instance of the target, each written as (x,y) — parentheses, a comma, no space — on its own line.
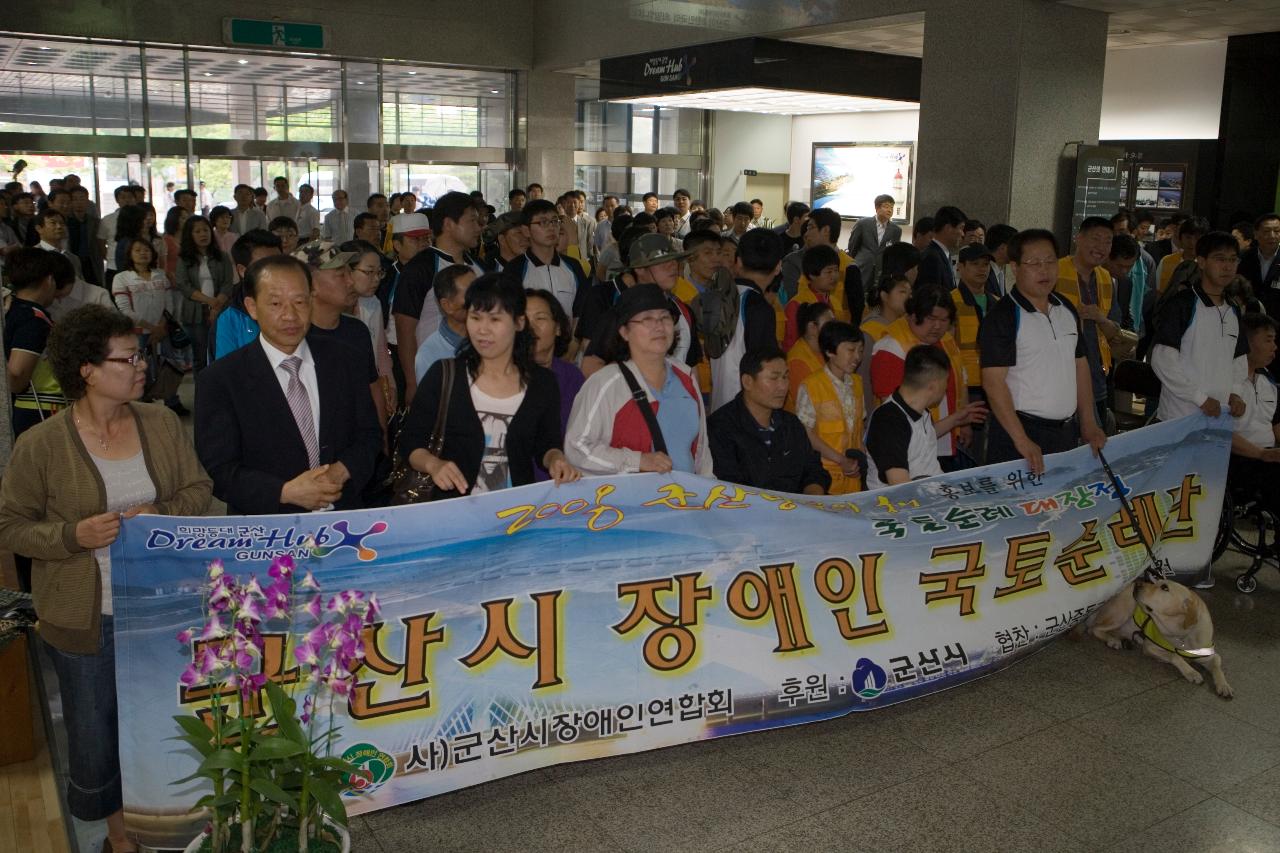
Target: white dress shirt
(306,374)
(338,226)
(308,220)
(283,207)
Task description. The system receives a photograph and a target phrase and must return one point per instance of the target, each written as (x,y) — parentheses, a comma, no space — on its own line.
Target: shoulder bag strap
(642,400)
(435,444)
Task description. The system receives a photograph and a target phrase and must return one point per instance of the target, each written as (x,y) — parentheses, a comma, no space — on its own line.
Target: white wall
(1165,92)
(888,126)
(746,141)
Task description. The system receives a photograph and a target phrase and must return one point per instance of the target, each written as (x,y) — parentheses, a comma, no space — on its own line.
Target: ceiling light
(770,101)
(495,91)
(359,82)
(243,61)
(413,72)
(208,73)
(44,48)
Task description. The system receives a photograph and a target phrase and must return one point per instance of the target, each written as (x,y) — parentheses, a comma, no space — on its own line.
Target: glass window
(423,105)
(56,87)
(166,93)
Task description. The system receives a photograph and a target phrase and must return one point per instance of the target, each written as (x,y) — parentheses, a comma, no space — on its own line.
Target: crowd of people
(334,355)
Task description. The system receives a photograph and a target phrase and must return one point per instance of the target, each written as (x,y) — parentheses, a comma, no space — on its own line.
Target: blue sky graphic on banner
(541,625)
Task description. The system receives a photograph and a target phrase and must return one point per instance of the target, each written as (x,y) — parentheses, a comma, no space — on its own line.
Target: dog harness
(1149,630)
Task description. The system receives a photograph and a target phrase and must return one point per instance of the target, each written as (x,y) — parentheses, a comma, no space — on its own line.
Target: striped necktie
(300,405)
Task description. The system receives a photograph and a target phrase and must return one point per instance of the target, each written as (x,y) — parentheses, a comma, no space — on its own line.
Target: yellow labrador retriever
(1170,622)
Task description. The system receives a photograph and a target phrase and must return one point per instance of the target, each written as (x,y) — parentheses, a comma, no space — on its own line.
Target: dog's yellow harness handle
(1149,630)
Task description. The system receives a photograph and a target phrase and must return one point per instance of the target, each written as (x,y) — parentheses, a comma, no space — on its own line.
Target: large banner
(542,625)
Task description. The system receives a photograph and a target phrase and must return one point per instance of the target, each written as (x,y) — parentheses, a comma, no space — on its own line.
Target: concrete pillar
(1006,85)
(545,138)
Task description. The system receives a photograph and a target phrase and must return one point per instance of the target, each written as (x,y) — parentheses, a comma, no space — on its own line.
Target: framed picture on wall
(847,177)
(1160,186)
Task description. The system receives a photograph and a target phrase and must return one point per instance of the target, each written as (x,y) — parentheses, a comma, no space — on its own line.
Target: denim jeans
(88,687)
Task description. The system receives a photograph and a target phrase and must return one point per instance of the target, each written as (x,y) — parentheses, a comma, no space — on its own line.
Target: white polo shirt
(1197,352)
(1040,349)
(900,437)
(1261,414)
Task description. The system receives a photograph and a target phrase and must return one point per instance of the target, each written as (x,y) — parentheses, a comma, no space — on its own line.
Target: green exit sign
(245,32)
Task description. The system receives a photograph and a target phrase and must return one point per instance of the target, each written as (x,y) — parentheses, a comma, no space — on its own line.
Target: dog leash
(1158,570)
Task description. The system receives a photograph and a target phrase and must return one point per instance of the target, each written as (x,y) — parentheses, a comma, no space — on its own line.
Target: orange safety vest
(686,292)
(801,361)
(1068,287)
(966,331)
(875,329)
(839,304)
(833,427)
(957,385)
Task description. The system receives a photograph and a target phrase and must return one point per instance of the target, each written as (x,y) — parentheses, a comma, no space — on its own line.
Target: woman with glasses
(71,480)
(503,411)
(608,432)
(366,274)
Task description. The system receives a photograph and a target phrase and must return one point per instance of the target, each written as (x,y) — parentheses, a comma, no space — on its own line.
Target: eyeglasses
(655,321)
(546,223)
(1052,262)
(378,273)
(133,360)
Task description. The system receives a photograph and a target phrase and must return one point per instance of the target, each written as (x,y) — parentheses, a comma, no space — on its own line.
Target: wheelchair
(1240,507)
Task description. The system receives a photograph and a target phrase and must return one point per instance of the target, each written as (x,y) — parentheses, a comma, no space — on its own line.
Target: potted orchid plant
(275,784)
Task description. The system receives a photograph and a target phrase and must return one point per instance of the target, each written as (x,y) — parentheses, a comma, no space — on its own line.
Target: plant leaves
(330,802)
(274,748)
(272,791)
(284,708)
(223,759)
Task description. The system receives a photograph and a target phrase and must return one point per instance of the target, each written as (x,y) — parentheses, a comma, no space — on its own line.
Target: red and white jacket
(607,432)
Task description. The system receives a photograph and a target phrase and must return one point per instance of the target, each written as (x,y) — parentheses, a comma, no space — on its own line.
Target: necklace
(104,440)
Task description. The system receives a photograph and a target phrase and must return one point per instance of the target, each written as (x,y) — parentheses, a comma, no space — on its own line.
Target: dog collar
(1149,630)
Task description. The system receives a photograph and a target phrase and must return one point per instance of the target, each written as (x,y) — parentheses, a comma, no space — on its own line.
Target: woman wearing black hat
(609,432)
(503,409)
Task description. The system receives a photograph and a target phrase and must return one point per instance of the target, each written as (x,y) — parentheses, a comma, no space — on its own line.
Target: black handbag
(408,484)
(642,400)
(179,337)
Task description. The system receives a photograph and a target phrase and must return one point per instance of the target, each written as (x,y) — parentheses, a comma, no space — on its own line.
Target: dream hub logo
(354,541)
(374,768)
(869,679)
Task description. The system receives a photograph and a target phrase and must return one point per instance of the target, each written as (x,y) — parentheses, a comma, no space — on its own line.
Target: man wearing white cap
(410,236)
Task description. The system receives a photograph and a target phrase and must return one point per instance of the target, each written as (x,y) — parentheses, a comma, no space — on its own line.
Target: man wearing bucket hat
(333,299)
(650,260)
(504,241)
(285,424)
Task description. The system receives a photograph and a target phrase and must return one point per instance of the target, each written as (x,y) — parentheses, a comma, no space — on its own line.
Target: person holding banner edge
(1034,369)
(72,480)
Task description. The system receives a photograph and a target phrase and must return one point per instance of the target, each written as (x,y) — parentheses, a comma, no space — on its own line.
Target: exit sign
(245,32)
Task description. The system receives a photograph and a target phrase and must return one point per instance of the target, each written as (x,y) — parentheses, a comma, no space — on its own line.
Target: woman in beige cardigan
(71,480)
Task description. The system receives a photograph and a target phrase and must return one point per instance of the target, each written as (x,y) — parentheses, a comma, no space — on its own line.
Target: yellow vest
(875,329)
(575,251)
(901,332)
(966,333)
(1164,272)
(832,426)
(1068,287)
(801,361)
(839,304)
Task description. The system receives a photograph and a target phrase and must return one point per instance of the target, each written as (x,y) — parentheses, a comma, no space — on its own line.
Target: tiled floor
(1077,748)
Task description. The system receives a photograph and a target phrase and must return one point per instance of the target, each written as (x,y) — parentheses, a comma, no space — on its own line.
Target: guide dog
(1170,622)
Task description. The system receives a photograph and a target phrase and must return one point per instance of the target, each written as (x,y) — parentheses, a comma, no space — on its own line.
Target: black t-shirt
(889,438)
(597,305)
(26,327)
(354,335)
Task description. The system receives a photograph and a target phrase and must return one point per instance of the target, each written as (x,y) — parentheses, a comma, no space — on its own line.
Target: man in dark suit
(870,235)
(935,261)
(286,424)
(1261,263)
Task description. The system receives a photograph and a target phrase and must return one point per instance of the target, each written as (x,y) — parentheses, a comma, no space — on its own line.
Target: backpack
(717,311)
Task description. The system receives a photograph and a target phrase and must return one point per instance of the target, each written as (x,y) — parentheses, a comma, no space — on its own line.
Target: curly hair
(84,337)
